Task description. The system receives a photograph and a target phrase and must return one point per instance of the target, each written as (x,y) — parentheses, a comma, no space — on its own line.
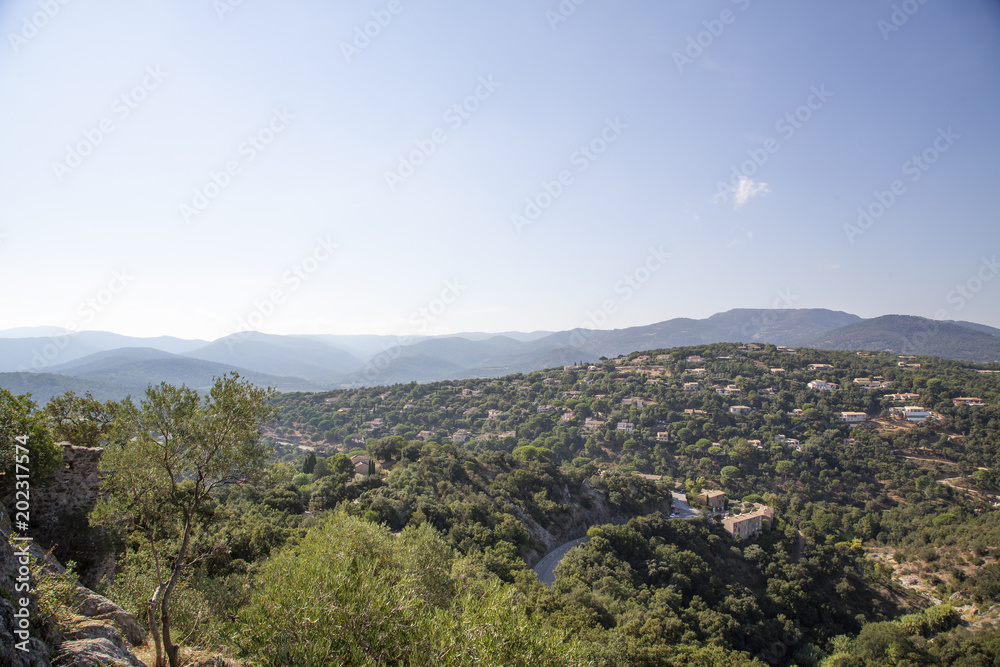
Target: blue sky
(198,168)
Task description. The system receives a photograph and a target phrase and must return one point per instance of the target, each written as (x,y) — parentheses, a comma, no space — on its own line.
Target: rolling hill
(906,334)
(122,365)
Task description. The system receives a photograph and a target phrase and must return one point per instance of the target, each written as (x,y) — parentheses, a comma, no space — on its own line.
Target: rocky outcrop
(94,643)
(37,654)
(96,635)
(99,608)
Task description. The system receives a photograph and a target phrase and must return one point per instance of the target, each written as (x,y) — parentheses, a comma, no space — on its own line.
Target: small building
(694,358)
(628,427)
(591,424)
(423,435)
(728,390)
(692,386)
(663,436)
(748,525)
(740,409)
(867,383)
(697,371)
(912,413)
(777,371)
(853,417)
(715,500)
(493,414)
(820,367)
(362,468)
(568,416)
(545,409)
(903,397)
(820,385)
(967,400)
(461,435)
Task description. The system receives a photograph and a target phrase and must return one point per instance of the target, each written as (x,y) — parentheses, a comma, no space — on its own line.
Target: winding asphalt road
(546,568)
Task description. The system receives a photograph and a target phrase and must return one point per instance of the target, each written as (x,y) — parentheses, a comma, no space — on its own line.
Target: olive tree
(182,447)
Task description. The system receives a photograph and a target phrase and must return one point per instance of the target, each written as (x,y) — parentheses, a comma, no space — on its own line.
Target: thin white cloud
(747,190)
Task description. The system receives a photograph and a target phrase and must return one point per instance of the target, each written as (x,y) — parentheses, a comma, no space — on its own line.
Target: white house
(740,409)
(912,413)
(853,417)
(628,427)
(820,385)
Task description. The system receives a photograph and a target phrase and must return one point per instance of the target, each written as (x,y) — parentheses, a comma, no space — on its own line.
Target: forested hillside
(883,548)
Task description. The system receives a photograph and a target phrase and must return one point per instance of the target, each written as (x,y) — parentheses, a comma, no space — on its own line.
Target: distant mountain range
(48,361)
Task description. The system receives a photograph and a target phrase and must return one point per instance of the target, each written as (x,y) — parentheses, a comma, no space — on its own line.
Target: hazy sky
(194,168)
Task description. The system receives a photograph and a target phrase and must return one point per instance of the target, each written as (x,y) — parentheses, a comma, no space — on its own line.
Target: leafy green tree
(183,448)
(321,469)
(387,448)
(81,420)
(22,427)
(352,594)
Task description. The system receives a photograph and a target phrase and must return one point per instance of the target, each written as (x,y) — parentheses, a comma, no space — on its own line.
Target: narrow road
(546,568)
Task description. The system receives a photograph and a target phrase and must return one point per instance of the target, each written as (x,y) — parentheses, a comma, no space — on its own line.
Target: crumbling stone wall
(59,510)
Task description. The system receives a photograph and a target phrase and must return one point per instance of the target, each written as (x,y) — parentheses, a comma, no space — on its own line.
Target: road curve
(546,568)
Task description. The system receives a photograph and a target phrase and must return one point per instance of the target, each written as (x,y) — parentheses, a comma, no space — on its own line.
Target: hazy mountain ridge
(906,334)
(119,365)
